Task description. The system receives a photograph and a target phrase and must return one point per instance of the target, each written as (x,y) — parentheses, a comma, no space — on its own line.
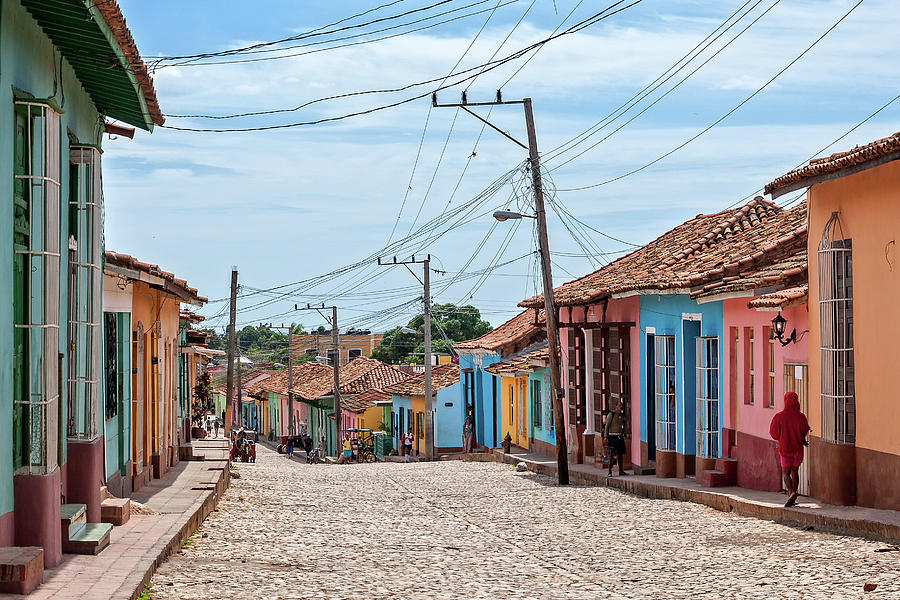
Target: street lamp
(562,459)
(503,215)
(407,330)
(779,324)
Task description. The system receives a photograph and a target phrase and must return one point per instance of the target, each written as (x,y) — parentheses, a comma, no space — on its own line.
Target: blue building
(408,409)
(479,392)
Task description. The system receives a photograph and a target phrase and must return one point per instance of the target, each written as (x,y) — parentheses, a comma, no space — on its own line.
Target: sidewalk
(184,497)
(870,523)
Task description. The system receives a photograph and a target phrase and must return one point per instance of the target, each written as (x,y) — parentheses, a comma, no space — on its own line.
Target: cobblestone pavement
(288,530)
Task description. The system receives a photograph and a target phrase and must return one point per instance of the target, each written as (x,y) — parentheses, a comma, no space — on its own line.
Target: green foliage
(458,322)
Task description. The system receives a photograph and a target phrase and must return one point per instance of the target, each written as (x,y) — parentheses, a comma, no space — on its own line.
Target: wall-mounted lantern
(779,324)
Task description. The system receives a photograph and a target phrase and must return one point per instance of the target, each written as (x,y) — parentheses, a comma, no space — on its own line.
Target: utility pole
(229,383)
(544,249)
(240,386)
(426,298)
(336,365)
(291,424)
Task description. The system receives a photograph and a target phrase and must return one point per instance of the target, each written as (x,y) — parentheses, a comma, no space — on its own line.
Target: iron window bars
(85,290)
(708,397)
(664,370)
(835,264)
(36,206)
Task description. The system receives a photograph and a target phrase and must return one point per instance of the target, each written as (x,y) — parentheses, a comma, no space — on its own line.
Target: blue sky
(293,204)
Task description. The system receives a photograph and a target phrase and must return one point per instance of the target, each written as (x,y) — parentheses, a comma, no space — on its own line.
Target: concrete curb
(722,501)
(171,543)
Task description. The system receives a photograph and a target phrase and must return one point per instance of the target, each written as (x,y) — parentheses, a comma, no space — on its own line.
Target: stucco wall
(665,314)
(28,63)
(544,433)
(754,419)
(869,213)
(448,419)
(486,416)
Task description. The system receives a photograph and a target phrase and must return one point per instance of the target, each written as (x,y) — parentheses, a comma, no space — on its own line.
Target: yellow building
(515,400)
(352,344)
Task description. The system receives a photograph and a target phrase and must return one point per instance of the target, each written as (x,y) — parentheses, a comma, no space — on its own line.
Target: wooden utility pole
(229,382)
(240,386)
(336,364)
(426,297)
(544,250)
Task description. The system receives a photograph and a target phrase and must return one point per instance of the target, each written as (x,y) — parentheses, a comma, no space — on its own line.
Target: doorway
(796,379)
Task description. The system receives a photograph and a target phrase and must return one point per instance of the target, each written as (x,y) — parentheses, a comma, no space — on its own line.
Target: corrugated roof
(97,43)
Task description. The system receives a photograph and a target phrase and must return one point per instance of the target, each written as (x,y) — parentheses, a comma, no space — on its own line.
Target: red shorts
(791,460)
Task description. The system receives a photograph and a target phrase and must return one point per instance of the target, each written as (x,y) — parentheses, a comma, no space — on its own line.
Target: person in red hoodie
(789,428)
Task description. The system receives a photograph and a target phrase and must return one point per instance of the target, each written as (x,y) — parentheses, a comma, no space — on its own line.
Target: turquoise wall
(117,434)
(29,63)
(545,433)
(665,313)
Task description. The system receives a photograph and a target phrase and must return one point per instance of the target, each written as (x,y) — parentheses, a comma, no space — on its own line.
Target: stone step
(116,511)
(716,478)
(21,569)
(92,538)
(727,465)
(72,519)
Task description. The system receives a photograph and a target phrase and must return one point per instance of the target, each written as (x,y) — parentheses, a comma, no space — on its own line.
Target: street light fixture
(503,215)
(407,330)
(779,324)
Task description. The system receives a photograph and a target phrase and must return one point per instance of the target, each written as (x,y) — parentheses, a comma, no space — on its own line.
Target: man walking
(789,428)
(614,432)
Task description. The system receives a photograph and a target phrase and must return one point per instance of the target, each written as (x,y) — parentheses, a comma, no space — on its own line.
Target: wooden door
(521,416)
(796,379)
(137,403)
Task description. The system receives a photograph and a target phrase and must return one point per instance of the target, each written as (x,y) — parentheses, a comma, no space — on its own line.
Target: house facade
(854,454)
(480,391)
(408,407)
(526,409)
(55,102)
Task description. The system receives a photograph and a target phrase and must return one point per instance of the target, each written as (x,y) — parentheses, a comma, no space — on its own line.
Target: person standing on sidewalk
(468,433)
(614,432)
(407,440)
(790,428)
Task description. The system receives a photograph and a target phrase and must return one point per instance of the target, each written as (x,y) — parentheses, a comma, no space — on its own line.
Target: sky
(304,211)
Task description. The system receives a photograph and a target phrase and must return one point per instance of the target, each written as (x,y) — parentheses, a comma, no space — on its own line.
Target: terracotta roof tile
(115,20)
(782,298)
(441,376)
(375,396)
(702,249)
(521,330)
(523,363)
(355,404)
(819,167)
(127,261)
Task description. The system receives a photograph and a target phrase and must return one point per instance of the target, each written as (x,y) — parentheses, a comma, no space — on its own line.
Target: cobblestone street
(288,530)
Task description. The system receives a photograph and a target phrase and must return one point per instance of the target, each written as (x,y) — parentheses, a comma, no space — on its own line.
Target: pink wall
(300,415)
(754,418)
(617,311)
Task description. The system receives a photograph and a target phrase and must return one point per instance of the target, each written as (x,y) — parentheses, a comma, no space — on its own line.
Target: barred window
(664,370)
(835,264)
(537,408)
(708,397)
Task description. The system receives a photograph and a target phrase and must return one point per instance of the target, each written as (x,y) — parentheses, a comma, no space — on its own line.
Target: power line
(723,117)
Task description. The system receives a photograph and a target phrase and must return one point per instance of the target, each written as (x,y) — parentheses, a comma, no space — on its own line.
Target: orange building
(157,429)
(352,344)
(854,322)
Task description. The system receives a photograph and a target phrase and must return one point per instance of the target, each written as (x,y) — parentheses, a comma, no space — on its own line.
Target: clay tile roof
(521,330)
(114,18)
(177,286)
(520,364)
(375,396)
(362,374)
(782,298)
(702,249)
(190,316)
(355,404)
(859,158)
(303,374)
(441,376)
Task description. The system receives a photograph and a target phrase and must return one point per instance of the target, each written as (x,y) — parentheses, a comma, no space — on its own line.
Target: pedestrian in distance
(468,433)
(289,447)
(790,428)
(216,426)
(407,440)
(614,432)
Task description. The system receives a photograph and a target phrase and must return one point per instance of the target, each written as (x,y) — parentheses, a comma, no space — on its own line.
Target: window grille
(36,207)
(769,400)
(520,421)
(751,373)
(537,408)
(85,289)
(549,415)
(708,397)
(835,263)
(664,369)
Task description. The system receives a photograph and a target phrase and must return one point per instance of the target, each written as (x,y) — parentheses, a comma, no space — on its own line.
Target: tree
(458,323)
